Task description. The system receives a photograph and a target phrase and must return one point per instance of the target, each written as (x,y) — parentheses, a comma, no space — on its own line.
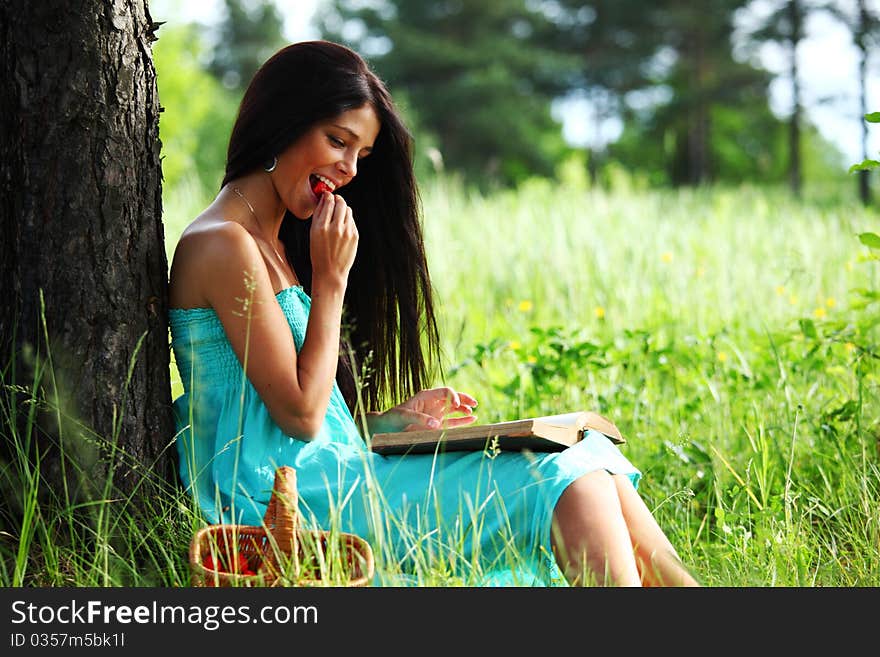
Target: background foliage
(478,82)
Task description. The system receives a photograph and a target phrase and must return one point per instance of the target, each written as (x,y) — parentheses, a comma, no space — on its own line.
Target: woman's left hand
(427,409)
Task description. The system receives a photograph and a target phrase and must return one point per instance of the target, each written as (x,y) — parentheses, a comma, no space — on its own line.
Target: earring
(269,167)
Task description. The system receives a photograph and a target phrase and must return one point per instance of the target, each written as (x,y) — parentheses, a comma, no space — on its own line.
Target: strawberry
(321,187)
(211,564)
(220,564)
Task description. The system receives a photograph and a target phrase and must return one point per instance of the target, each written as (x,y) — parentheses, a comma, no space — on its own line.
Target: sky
(827,59)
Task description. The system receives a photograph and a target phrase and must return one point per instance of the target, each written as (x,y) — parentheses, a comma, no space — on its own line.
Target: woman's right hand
(427,409)
(333,239)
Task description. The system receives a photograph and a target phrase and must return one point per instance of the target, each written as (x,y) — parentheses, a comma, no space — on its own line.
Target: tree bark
(795,19)
(861,35)
(83,314)
(698,128)
(691,164)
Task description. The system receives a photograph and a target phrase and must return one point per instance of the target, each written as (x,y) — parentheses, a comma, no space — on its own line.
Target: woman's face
(328,152)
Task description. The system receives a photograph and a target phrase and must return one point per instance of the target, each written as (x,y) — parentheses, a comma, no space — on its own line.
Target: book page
(567,420)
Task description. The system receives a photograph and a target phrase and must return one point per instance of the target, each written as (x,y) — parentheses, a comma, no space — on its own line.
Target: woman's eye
(336,142)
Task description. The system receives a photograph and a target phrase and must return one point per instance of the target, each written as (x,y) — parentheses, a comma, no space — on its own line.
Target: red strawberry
(211,564)
(321,187)
(220,565)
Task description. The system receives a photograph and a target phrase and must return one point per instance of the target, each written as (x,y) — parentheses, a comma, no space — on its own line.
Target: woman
(316,225)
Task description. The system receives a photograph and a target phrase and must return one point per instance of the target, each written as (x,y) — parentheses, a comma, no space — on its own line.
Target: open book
(551,433)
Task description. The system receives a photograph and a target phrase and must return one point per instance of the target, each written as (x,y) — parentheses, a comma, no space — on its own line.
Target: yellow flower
(830,302)
(525,306)
(780,290)
(849,346)
(722,356)
(819,313)
(513,344)
(667,256)
(531,359)
(793,300)
(600,312)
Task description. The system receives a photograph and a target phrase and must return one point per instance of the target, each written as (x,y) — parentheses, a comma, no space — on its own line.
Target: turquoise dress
(462,508)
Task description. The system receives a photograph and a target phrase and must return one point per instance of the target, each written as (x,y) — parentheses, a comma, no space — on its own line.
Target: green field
(722,329)
(732,335)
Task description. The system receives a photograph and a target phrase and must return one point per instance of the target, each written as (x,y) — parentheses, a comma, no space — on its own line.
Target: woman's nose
(347,165)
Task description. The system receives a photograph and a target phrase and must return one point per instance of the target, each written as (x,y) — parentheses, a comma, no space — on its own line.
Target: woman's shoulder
(207,250)
(212,232)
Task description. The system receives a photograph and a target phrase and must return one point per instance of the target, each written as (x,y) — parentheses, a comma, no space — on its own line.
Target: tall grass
(730,333)
(85,532)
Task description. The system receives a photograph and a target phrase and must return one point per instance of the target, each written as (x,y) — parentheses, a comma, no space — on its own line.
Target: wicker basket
(279,553)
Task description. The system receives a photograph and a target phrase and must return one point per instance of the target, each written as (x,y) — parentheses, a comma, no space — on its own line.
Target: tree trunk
(601,110)
(864,177)
(83,314)
(795,18)
(697,165)
(698,144)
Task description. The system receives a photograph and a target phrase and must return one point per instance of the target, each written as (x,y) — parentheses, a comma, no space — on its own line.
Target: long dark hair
(389,327)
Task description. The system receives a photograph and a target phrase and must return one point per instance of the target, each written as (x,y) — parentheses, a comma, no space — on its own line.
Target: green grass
(722,329)
(730,333)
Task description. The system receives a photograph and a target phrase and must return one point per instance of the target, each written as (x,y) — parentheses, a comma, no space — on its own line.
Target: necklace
(251,208)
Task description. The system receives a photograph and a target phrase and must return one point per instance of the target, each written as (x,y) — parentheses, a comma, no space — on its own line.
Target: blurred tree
(744,145)
(702,75)
(478,73)
(863,22)
(198,111)
(613,42)
(785,24)
(83,321)
(251,31)
(670,72)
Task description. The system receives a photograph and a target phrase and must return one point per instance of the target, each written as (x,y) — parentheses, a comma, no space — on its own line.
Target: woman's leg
(657,560)
(591,541)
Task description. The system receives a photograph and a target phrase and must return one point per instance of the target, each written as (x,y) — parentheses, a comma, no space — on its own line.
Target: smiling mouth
(320,184)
